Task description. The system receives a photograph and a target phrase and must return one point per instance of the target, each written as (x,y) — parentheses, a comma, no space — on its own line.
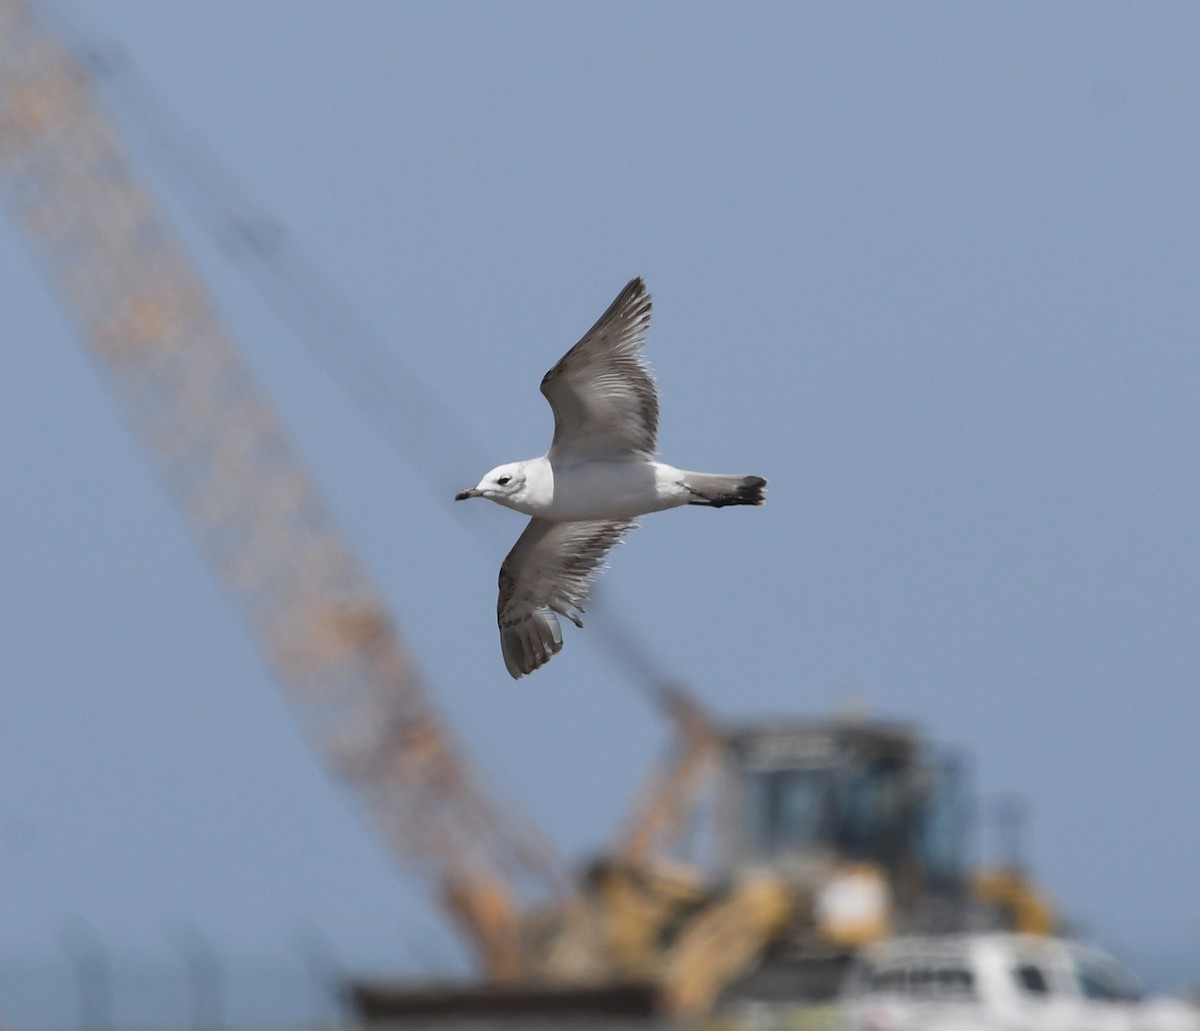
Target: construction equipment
(860,830)
(823,838)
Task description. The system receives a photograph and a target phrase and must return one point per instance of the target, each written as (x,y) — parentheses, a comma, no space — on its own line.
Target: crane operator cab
(865,822)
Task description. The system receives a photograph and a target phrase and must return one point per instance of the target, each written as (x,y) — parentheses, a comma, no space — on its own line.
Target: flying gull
(599,475)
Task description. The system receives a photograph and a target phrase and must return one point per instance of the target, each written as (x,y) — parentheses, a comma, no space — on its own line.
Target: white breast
(611,490)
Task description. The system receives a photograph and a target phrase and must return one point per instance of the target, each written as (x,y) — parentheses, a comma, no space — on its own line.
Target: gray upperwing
(602,392)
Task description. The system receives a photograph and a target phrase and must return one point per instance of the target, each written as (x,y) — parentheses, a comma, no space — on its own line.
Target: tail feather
(718,490)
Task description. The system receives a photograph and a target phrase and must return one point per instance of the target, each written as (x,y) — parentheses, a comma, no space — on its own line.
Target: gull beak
(470,492)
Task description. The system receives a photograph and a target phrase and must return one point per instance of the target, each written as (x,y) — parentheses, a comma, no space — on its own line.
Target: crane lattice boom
(149,323)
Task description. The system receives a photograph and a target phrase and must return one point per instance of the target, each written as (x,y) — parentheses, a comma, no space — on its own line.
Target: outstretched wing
(603,395)
(548,571)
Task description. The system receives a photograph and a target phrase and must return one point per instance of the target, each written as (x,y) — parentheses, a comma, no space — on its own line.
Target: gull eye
(503,480)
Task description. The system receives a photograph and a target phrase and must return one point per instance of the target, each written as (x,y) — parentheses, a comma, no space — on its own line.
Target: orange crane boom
(151,326)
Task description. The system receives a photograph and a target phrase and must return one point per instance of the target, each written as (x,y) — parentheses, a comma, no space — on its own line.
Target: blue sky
(930,268)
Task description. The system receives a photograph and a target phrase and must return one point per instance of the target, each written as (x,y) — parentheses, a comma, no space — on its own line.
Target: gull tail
(716,490)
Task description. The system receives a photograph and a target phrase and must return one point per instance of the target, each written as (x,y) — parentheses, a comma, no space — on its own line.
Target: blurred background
(930,269)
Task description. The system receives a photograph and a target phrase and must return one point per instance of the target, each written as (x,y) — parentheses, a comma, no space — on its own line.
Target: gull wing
(548,571)
(603,395)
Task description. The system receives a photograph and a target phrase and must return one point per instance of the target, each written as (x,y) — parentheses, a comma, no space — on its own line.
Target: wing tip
(635,290)
(528,645)
(634,301)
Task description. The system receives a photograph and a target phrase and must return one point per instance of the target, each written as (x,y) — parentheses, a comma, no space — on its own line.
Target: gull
(586,492)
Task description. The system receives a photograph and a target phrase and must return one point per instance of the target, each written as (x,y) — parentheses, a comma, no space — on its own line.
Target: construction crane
(151,326)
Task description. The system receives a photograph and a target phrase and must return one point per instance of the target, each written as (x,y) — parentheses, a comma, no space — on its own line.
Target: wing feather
(546,575)
(602,392)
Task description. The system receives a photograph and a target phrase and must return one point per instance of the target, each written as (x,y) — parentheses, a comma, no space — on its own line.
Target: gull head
(504,485)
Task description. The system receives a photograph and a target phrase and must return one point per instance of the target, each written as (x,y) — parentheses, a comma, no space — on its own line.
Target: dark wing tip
(634,289)
(531,643)
(634,295)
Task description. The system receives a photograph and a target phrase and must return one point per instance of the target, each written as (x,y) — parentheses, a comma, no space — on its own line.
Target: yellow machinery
(1014,900)
(822,837)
